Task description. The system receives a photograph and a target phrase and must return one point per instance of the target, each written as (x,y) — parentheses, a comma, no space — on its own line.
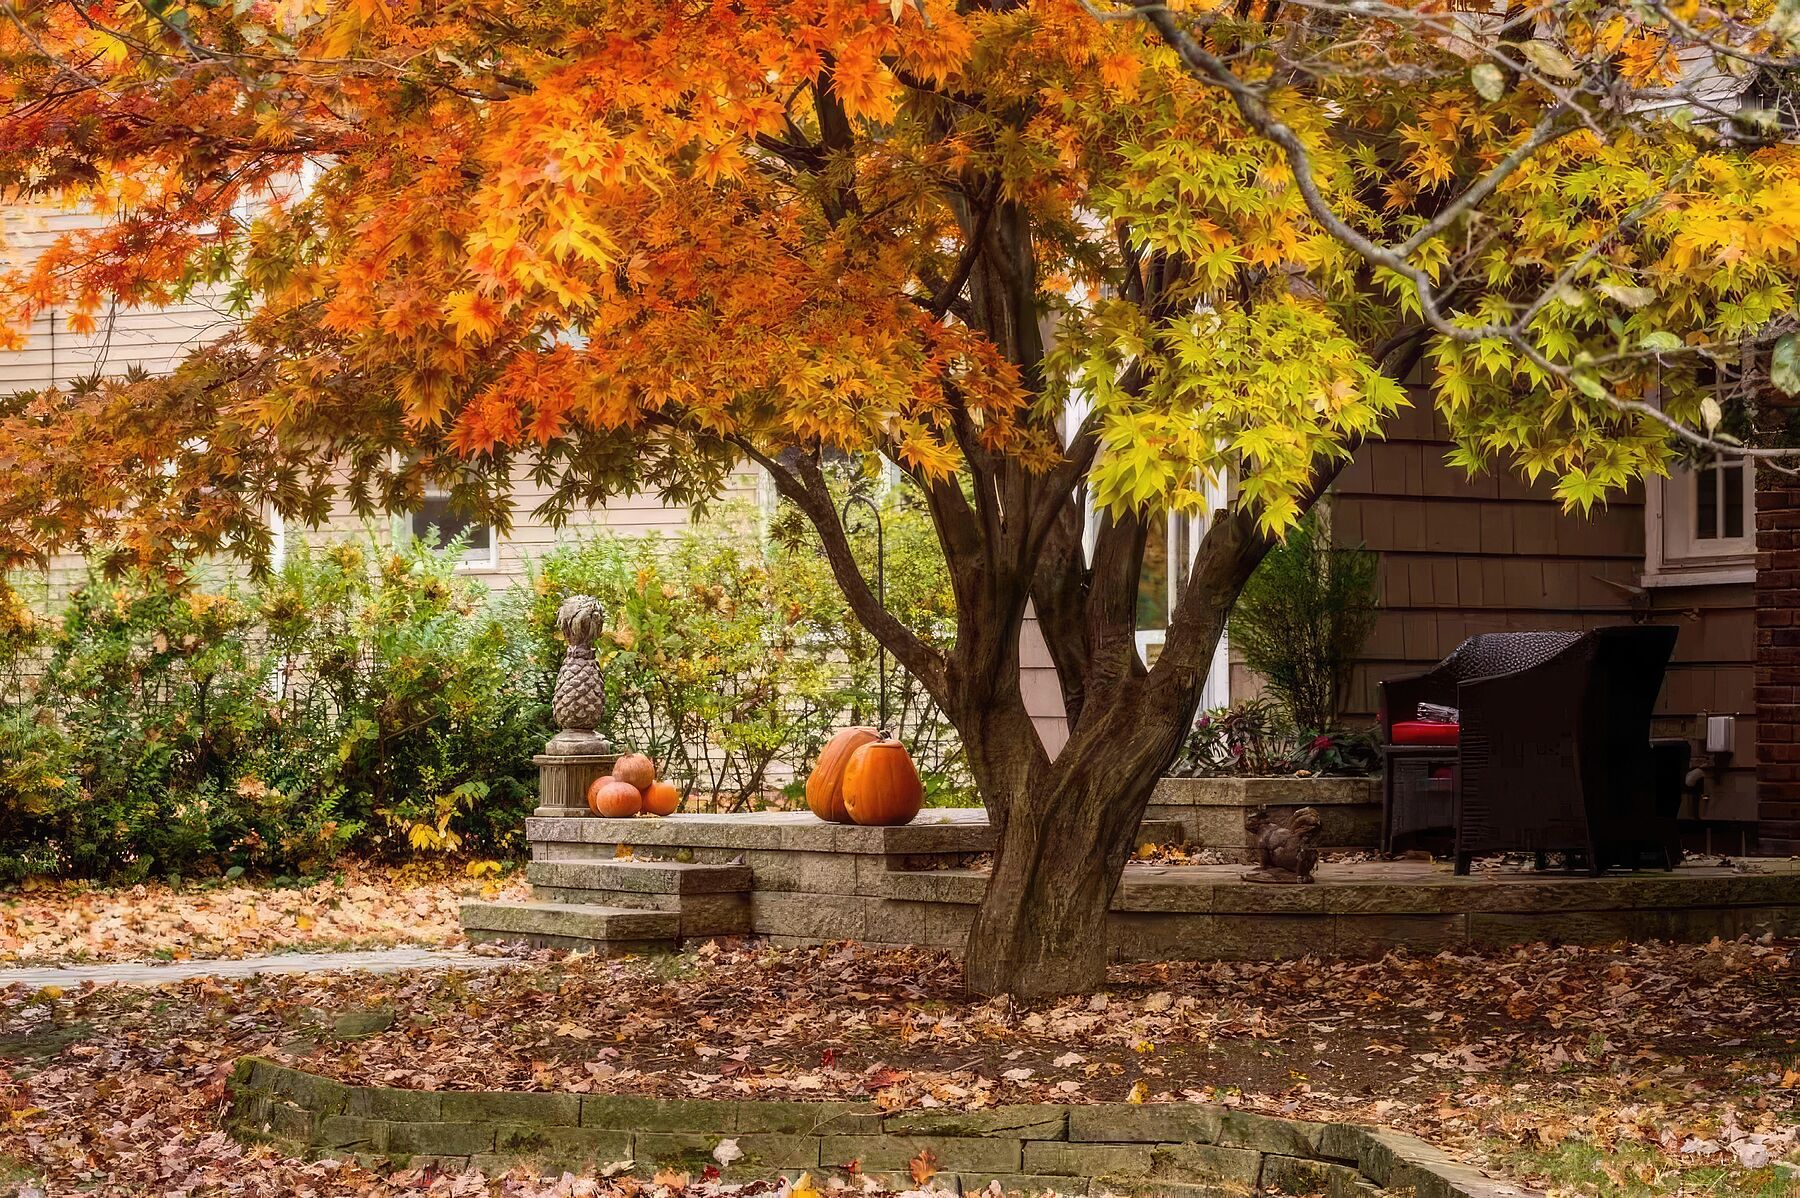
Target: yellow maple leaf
(471,315)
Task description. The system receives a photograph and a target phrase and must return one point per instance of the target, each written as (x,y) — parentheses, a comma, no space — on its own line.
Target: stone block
(1269,1133)
(948,1153)
(378,1102)
(441,1139)
(1267,937)
(586,1143)
(451,1165)
(1150,1123)
(815,916)
(800,870)
(1376,935)
(1139,936)
(1027,1185)
(888,1181)
(704,915)
(810,1118)
(318,1094)
(762,1153)
(1138,1187)
(1298,1175)
(1383,1154)
(289,1122)
(352,1133)
(1086,1159)
(354,1025)
(936,886)
(1022,1121)
(501,1106)
(622,1112)
(1206,1163)
(1342,1142)
(939,831)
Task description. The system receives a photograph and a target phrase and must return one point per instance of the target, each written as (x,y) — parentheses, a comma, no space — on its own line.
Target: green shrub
(1303,618)
(367,699)
(406,695)
(351,700)
(730,655)
(1256,739)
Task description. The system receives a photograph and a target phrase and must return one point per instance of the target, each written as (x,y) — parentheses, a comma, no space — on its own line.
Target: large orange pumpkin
(825,786)
(635,769)
(614,799)
(881,785)
(662,798)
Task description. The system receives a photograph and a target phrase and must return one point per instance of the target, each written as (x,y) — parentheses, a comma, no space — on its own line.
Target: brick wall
(1778,663)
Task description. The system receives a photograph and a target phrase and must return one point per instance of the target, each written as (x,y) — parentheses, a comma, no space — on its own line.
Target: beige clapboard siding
(151,339)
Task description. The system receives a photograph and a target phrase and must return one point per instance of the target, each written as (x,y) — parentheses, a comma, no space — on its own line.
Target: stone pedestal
(564,778)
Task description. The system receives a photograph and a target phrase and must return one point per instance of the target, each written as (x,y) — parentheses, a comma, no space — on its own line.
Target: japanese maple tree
(1041,255)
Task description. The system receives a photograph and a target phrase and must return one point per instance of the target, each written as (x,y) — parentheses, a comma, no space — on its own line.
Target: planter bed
(1191,1149)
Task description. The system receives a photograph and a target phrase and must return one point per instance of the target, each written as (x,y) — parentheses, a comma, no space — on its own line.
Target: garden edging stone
(1165,1149)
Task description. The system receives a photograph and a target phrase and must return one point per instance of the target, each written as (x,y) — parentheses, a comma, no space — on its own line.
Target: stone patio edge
(1128,1149)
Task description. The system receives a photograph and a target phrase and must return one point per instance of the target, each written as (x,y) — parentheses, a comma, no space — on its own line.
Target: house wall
(151,339)
(530,538)
(1777,737)
(1461,556)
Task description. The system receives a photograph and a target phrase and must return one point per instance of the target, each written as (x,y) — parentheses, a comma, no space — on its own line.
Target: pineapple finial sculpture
(580,699)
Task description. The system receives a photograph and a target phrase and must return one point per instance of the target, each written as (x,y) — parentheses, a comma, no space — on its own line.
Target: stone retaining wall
(1185,1150)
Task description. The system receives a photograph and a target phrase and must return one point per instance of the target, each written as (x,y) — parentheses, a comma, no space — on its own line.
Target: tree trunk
(1041,929)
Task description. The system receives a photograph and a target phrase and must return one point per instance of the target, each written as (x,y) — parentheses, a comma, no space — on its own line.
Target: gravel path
(135,973)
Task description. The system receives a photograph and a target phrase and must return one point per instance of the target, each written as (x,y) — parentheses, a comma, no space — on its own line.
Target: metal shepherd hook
(880,598)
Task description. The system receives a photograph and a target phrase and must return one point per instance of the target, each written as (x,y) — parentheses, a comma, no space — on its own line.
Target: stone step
(629,875)
(571,925)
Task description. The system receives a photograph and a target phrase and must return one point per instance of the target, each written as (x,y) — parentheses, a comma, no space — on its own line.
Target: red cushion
(1419,732)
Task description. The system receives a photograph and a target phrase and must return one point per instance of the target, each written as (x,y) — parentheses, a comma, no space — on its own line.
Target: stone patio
(626,885)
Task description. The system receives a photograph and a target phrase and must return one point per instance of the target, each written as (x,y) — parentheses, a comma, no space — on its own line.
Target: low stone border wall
(1212,811)
(1185,1150)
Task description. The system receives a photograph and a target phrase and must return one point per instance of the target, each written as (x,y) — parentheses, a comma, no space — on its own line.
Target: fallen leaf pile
(363,906)
(1672,1069)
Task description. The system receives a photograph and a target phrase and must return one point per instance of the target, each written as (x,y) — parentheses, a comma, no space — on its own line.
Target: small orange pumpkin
(825,786)
(614,799)
(636,770)
(662,798)
(881,785)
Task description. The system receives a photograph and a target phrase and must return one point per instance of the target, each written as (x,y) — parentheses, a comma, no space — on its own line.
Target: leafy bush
(730,656)
(163,727)
(1256,739)
(404,677)
(1303,618)
(368,699)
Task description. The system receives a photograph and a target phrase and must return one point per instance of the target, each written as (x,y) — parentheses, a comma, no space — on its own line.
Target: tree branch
(800,481)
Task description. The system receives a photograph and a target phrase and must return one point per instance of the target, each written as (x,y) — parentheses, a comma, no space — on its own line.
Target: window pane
(1153,579)
(1706,503)
(450,525)
(1733,498)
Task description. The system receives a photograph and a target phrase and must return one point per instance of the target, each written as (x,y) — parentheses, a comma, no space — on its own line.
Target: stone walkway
(138,973)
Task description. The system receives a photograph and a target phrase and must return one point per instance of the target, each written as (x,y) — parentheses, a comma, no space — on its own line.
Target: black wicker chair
(1552,753)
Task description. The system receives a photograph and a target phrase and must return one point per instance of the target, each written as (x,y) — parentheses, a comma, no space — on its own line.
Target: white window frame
(1673,554)
(1216,691)
(474,561)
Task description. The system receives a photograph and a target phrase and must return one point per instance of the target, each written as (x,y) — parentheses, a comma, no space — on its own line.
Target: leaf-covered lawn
(1654,1070)
(360,906)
